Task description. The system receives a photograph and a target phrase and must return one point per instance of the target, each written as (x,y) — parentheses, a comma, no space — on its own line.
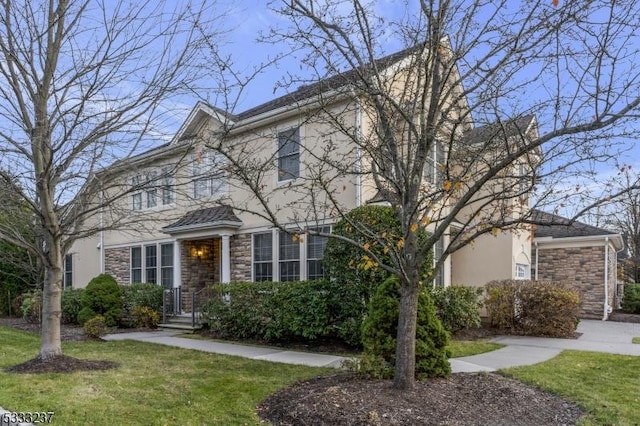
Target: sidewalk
(598,336)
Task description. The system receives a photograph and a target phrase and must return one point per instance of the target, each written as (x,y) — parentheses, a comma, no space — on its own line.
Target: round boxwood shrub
(380,329)
(96,327)
(352,275)
(103,297)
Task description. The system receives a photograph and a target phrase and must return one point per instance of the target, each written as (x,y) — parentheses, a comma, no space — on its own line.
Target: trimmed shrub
(631,299)
(96,327)
(380,329)
(32,308)
(103,297)
(140,295)
(540,308)
(145,317)
(71,305)
(352,274)
(270,311)
(457,307)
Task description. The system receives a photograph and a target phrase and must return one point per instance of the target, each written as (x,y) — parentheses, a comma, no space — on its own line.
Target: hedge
(270,311)
(540,308)
(137,296)
(458,307)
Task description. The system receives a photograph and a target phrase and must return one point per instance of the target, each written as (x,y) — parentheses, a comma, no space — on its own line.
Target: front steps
(182,322)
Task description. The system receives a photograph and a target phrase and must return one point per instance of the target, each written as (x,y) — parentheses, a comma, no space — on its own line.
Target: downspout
(606,279)
(101,243)
(537,254)
(358,154)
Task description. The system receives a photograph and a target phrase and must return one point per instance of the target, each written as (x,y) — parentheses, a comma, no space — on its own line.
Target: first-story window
(262,257)
(280,255)
(136,264)
(68,271)
(289,251)
(166,265)
(315,252)
(152,263)
(522,271)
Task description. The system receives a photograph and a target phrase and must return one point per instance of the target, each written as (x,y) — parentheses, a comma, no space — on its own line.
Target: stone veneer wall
(240,248)
(583,266)
(196,273)
(116,264)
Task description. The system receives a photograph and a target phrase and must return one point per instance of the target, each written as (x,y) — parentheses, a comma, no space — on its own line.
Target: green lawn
(155,385)
(635,340)
(460,348)
(607,386)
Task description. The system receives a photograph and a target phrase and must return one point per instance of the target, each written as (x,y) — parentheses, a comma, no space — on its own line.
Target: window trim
(275,261)
(308,259)
(283,237)
(206,171)
(67,280)
(254,262)
(159,267)
(525,268)
(286,176)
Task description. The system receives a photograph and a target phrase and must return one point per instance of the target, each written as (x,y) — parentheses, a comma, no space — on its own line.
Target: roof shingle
(208,216)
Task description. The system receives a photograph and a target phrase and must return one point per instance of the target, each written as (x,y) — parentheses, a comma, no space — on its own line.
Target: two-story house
(193,222)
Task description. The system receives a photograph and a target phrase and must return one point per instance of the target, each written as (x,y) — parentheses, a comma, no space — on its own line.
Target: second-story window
(288,154)
(166,185)
(151,191)
(136,196)
(209,179)
(434,167)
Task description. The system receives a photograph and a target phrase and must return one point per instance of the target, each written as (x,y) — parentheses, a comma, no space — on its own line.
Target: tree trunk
(51,304)
(404,374)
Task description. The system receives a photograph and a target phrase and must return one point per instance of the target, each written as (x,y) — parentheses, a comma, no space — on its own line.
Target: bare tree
(488,108)
(623,215)
(83,83)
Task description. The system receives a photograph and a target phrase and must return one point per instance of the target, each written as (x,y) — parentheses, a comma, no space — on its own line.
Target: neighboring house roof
(209,217)
(515,127)
(551,225)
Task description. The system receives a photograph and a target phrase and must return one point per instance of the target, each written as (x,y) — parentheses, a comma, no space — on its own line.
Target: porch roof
(207,218)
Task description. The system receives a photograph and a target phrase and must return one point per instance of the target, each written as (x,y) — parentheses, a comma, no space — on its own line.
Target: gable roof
(551,225)
(505,129)
(334,82)
(210,217)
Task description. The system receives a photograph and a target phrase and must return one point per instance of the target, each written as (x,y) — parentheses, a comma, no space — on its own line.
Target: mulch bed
(59,364)
(461,399)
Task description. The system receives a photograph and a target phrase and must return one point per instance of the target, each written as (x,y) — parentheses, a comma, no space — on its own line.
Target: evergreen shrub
(631,299)
(353,275)
(380,329)
(102,296)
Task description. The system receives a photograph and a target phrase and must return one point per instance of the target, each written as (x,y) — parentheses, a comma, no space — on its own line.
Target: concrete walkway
(597,336)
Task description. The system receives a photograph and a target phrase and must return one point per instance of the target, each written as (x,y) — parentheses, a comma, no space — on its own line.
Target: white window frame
(324,229)
(136,194)
(286,239)
(67,281)
(293,135)
(255,262)
(523,271)
(436,160)
(209,180)
(276,259)
(438,251)
(159,267)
